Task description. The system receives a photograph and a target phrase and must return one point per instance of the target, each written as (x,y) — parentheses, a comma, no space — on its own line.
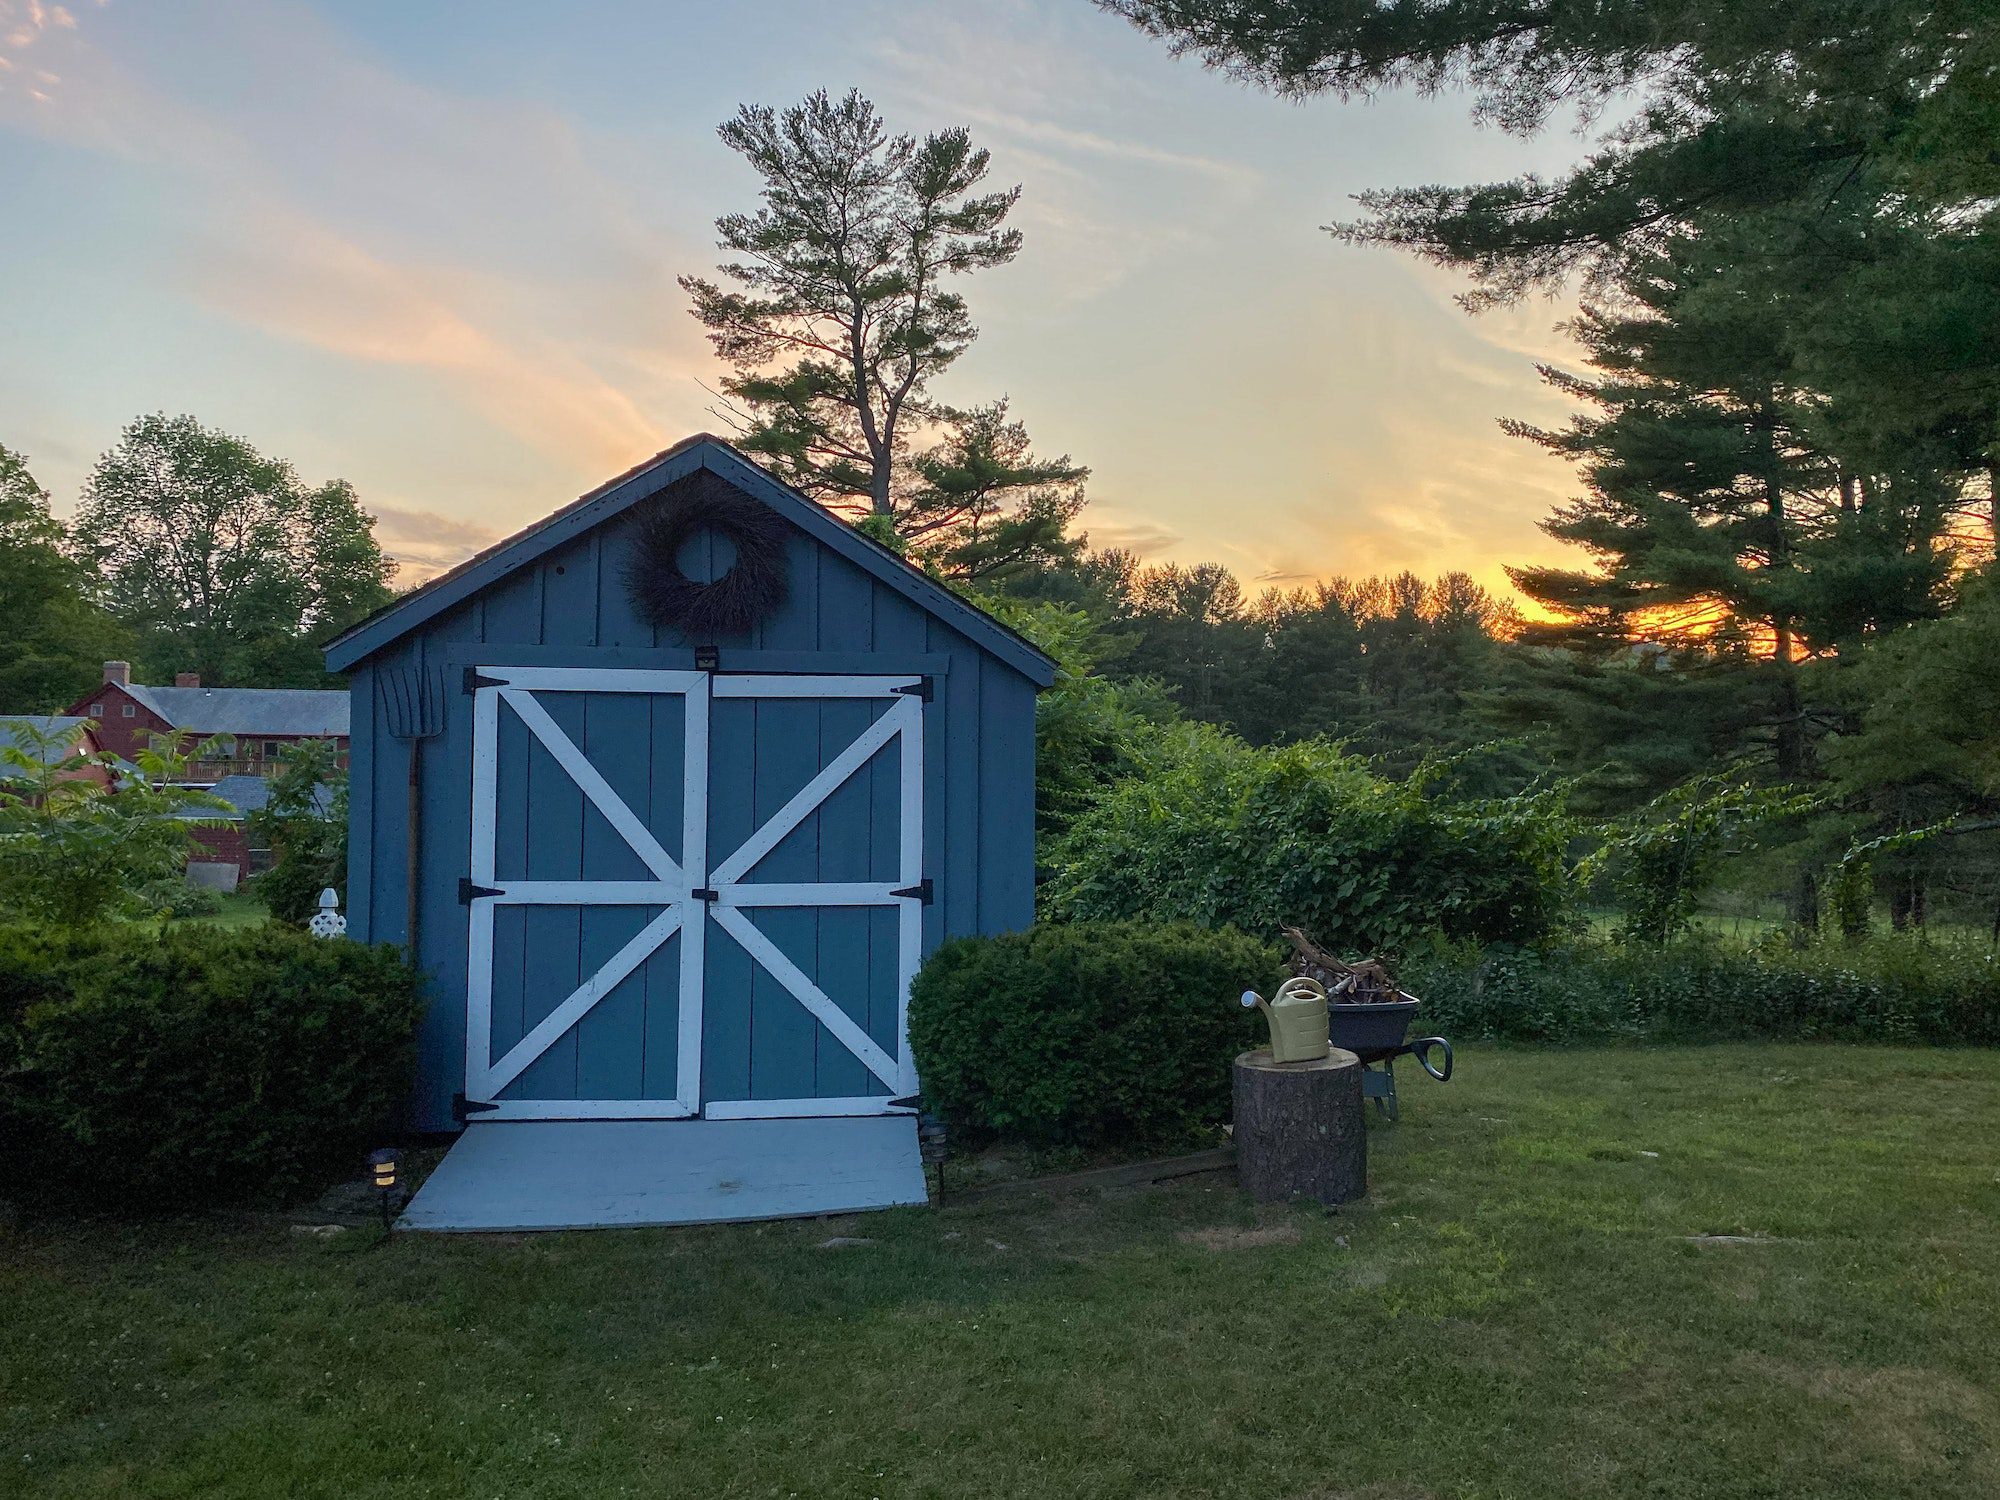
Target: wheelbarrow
(1376,1031)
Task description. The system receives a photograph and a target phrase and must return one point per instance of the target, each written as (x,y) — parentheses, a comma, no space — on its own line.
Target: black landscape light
(382,1173)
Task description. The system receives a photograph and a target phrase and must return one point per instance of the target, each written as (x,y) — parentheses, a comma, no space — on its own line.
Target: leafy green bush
(1089,730)
(1094,1033)
(1666,855)
(196,1064)
(82,838)
(1896,989)
(1218,833)
(181,902)
(304,825)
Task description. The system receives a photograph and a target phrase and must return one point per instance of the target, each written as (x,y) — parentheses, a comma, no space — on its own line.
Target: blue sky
(432,248)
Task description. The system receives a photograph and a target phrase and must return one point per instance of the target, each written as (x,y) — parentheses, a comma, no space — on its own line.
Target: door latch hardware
(705,893)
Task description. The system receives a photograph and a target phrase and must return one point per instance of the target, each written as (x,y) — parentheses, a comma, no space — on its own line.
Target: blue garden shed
(670,794)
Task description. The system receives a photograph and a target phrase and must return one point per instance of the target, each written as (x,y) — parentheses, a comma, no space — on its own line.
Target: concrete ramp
(602,1174)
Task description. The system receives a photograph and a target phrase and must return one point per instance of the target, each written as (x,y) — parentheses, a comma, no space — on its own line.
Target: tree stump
(1299,1128)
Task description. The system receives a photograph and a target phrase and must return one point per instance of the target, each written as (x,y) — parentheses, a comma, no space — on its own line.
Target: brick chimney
(118,673)
(187,679)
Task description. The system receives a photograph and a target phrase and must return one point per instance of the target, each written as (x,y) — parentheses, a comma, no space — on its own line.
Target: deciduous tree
(55,639)
(220,559)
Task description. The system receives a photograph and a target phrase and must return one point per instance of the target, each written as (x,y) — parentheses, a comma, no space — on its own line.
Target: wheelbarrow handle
(1420,1050)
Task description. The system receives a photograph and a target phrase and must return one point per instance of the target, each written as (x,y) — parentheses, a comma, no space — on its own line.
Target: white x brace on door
(688,891)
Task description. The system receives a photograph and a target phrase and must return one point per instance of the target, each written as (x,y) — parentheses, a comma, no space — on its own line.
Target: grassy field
(1524,1307)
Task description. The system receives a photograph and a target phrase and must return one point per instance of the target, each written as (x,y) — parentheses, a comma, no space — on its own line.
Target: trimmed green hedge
(1088,1033)
(195,1065)
(1887,990)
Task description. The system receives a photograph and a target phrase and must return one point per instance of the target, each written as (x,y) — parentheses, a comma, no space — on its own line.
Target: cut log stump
(1299,1128)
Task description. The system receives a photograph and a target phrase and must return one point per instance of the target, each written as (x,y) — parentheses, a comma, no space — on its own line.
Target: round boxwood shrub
(1088,1033)
(195,1065)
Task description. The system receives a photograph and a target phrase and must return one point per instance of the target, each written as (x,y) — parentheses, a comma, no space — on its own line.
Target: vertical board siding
(846,619)
(364,722)
(758,1041)
(447,838)
(570,592)
(901,629)
(844,850)
(611,1059)
(618,622)
(389,791)
(663,742)
(551,956)
(794,625)
(727,995)
(1006,801)
(782,1042)
(960,800)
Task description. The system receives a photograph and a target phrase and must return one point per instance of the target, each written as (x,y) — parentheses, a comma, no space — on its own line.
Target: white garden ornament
(328,922)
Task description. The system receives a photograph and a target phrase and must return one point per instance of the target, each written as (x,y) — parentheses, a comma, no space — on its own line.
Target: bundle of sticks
(1346,983)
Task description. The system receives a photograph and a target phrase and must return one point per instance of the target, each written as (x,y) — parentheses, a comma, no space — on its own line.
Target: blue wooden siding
(569,608)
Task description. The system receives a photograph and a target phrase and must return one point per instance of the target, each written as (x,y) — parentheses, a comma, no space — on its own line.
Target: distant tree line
(189,551)
(1787,230)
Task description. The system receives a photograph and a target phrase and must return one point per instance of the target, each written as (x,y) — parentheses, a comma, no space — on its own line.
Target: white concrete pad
(599,1174)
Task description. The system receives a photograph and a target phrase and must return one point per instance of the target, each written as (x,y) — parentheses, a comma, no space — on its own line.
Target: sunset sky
(432,248)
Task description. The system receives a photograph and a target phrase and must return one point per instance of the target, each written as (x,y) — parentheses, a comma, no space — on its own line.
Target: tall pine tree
(839,312)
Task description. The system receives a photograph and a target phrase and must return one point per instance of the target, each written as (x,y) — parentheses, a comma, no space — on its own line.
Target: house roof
(702,451)
(248,794)
(250,711)
(11,736)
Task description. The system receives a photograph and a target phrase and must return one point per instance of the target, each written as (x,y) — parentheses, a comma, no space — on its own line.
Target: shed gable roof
(702,451)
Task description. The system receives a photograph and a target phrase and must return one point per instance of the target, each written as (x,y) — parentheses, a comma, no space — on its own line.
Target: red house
(263,721)
(50,741)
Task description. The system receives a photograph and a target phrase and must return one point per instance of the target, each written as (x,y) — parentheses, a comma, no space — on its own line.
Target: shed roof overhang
(702,451)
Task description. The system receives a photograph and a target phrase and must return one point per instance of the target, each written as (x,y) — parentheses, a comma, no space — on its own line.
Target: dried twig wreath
(755,584)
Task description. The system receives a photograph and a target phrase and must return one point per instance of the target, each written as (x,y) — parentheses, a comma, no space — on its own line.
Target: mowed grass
(238,908)
(1518,1310)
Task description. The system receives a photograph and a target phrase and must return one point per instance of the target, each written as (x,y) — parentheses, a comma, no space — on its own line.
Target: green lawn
(1519,1310)
(239,908)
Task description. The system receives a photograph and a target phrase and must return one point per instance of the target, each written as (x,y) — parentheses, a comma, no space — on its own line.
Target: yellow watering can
(1298,1020)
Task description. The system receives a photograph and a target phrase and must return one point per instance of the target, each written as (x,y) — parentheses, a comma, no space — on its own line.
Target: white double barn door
(692,894)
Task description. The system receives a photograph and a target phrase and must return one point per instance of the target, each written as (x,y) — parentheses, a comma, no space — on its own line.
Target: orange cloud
(305,282)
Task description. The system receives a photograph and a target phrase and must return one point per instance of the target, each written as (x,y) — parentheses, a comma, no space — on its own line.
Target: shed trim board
(703,451)
(687,892)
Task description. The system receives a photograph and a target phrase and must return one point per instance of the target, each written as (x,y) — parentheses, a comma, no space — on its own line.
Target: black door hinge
(462,1108)
(469,893)
(921,688)
(921,891)
(476,679)
(705,893)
